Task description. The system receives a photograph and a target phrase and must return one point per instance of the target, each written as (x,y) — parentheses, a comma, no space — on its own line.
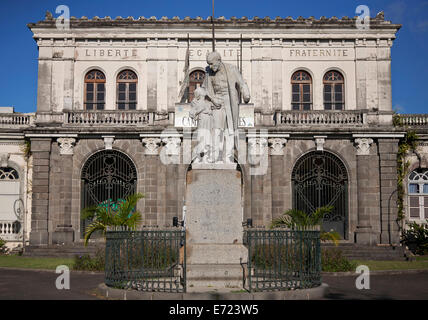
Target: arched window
(95,90)
(107,177)
(10,225)
(319,179)
(418,194)
(196,78)
(127,82)
(7,173)
(301,91)
(334,91)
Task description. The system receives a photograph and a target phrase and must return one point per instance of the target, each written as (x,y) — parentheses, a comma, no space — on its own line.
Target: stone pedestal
(63,234)
(366,236)
(214,230)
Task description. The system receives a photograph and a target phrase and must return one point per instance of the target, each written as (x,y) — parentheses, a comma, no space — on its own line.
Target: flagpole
(212,21)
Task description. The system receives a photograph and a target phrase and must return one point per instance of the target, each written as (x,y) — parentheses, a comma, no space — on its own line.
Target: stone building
(112,97)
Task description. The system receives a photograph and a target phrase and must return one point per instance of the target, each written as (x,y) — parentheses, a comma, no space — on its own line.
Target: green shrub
(110,214)
(135,255)
(416,238)
(88,263)
(4,250)
(332,260)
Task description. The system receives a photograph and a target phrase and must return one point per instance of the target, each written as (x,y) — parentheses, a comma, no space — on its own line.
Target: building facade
(111,120)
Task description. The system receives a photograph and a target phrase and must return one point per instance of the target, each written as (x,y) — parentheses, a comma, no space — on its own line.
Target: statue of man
(224,85)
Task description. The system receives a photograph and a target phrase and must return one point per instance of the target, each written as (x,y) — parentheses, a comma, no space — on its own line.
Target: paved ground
(40,285)
(382,287)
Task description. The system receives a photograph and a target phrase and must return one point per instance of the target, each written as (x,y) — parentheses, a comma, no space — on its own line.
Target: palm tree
(120,213)
(300,220)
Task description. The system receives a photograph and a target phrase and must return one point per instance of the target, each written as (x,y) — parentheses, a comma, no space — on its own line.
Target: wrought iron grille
(108,176)
(147,260)
(282,259)
(321,179)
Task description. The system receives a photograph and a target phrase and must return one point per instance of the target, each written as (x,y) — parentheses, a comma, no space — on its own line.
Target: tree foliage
(120,213)
(300,220)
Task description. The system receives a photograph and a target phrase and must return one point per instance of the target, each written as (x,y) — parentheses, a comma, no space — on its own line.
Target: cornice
(377,22)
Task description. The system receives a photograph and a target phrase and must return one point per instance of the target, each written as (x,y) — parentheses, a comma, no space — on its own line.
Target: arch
(301,90)
(9,173)
(196,79)
(334,90)
(417,186)
(197,69)
(294,70)
(106,177)
(10,192)
(94,90)
(127,67)
(338,69)
(320,178)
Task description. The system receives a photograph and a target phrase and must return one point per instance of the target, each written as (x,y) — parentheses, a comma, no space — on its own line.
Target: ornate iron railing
(147,260)
(281,259)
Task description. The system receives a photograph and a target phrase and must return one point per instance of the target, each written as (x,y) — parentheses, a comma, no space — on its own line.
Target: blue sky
(18,53)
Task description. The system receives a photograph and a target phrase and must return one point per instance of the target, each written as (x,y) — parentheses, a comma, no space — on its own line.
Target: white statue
(202,112)
(224,84)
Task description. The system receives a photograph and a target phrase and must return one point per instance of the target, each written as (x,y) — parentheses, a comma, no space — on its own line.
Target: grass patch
(15,261)
(394,265)
(422,258)
(239,291)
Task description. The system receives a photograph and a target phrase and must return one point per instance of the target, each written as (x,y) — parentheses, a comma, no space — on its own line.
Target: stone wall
(271,53)
(370,166)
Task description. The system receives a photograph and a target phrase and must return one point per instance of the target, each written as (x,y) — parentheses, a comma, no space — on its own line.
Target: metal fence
(147,260)
(282,259)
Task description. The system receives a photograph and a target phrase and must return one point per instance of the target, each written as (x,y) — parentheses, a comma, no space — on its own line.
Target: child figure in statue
(202,112)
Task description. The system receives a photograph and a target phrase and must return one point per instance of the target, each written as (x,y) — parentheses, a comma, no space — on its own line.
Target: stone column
(276,148)
(170,160)
(368,193)
(151,174)
(388,149)
(258,160)
(40,148)
(64,232)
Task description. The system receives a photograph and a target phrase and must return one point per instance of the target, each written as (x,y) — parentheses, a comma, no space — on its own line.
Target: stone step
(204,253)
(353,247)
(215,275)
(359,252)
(66,251)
